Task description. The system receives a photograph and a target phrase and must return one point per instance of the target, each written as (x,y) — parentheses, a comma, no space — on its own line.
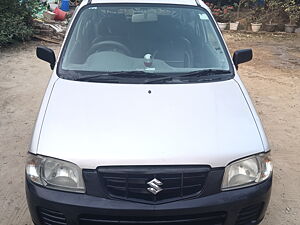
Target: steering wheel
(109,45)
(187,52)
(187,60)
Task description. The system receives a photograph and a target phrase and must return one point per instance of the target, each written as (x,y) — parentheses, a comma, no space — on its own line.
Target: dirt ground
(272,78)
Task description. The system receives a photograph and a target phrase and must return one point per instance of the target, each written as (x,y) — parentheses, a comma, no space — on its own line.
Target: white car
(146,121)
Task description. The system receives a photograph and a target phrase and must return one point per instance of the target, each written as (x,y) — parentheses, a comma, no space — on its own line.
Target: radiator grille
(132,183)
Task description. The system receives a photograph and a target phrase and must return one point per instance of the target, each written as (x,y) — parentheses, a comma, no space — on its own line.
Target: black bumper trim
(74,205)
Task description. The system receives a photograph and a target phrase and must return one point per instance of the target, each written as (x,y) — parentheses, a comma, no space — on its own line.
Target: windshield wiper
(200,73)
(209,75)
(159,79)
(129,76)
(116,75)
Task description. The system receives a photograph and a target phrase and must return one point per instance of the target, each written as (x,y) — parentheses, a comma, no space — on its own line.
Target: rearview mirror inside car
(47,55)
(144,17)
(242,56)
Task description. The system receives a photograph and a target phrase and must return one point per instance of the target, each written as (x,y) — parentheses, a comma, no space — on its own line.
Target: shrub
(15,19)
(292,9)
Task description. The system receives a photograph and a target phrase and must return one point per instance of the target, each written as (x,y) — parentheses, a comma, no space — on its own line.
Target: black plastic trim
(95,187)
(150,172)
(74,205)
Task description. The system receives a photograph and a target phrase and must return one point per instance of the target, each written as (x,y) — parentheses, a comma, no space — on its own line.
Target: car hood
(96,124)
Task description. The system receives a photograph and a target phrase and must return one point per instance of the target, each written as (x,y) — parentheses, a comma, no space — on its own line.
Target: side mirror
(242,56)
(47,55)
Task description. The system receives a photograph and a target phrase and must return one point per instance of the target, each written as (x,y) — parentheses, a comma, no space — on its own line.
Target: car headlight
(247,172)
(54,173)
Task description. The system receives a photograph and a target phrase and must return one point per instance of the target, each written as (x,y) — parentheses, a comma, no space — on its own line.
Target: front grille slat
(131,183)
(47,216)
(193,186)
(116,187)
(47,211)
(115,180)
(198,176)
(47,220)
(137,190)
(45,223)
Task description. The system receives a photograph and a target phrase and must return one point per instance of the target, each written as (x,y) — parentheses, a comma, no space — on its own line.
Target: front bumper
(237,207)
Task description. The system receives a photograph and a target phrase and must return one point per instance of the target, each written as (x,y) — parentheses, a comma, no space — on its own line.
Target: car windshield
(144,43)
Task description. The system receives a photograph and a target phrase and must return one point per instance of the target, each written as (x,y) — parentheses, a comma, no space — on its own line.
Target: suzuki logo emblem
(155,186)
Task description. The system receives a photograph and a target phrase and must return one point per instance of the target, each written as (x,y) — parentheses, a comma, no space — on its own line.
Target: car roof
(176,2)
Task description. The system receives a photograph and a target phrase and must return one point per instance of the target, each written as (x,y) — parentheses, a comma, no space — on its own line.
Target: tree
(273,9)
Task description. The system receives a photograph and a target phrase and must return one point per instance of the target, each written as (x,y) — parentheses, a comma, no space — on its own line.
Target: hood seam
(44,116)
(261,139)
